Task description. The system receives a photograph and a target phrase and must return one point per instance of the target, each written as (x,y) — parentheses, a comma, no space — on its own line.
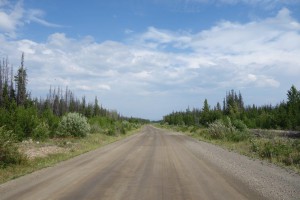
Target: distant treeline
(285,115)
(21,113)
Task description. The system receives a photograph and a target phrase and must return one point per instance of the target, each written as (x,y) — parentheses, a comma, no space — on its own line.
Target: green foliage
(21,120)
(95,128)
(240,125)
(21,82)
(225,129)
(278,149)
(111,126)
(41,132)
(293,95)
(103,122)
(43,118)
(9,153)
(122,130)
(218,130)
(51,119)
(194,129)
(25,119)
(102,125)
(111,131)
(73,124)
(5,117)
(126,125)
(285,115)
(118,128)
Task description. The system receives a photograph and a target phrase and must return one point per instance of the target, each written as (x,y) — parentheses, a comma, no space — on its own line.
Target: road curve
(154,164)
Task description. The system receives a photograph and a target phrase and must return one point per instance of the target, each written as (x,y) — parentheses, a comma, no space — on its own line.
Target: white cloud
(104,87)
(10,17)
(14,16)
(252,80)
(128,31)
(36,15)
(155,38)
(272,43)
(171,65)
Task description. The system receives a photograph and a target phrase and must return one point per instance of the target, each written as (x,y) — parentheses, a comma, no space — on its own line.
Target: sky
(147,58)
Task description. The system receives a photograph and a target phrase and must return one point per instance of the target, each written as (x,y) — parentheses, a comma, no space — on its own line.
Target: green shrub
(225,129)
(51,119)
(194,129)
(282,150)
(240,125)
(73,124)
(217,130)
(122,130)
(238,136)
(111,131)
(41,132)
(254,146)
(126,125)
(122,127)
(9,153)
(183,128)
(95,128)
(267,150)
(25,120)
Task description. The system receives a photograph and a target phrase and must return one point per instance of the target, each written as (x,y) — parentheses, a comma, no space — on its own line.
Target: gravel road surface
(157,164)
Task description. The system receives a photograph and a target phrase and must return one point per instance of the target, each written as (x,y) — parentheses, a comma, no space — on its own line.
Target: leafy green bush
(25,120)
(73,124)
(41,132)
(122,130)
(111,131)
(217,129)
(126,125)
(225,129)
(239,125)
(51,119)
(95,128)
(9,153)
(122,127)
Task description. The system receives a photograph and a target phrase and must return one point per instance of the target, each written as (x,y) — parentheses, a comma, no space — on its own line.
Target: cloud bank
(154,72)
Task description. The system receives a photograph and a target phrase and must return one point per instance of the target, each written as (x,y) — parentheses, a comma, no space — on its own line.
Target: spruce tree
(96,107)
(21,82)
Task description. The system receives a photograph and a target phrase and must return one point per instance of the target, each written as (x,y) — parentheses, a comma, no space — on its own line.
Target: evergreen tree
(293,96)
(205,114)
(96,107)
(21,82)
(293,106)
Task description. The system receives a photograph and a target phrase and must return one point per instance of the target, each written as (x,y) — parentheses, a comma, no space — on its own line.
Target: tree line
(285,115)
(22,114)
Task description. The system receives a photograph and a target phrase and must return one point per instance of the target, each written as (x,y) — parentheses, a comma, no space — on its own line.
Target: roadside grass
(73,147)
(284,152)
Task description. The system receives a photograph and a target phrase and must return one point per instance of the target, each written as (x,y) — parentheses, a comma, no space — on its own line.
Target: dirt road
(156,164)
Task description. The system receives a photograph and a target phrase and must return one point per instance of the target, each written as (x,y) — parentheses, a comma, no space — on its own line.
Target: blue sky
(147,58)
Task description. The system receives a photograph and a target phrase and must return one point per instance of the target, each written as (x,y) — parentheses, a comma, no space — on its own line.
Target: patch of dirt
(43,151)
(33,150)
